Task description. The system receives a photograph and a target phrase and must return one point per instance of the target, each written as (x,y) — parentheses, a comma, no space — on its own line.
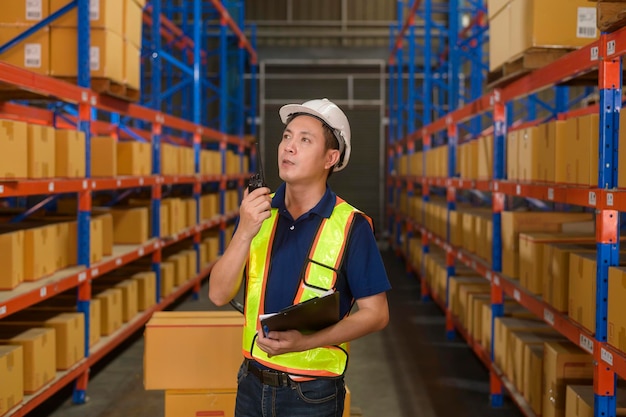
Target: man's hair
(331,141)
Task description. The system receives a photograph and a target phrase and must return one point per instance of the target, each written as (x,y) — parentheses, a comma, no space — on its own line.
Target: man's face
(302,155)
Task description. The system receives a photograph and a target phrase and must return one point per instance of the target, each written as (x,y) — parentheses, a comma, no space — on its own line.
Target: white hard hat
(329,113)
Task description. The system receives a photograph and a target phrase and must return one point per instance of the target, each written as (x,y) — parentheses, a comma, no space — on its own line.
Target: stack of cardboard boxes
(115,39)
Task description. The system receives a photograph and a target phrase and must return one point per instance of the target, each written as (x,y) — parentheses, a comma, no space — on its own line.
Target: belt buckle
(271,378)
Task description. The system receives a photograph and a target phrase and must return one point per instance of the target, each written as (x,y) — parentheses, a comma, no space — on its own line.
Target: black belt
(267,376)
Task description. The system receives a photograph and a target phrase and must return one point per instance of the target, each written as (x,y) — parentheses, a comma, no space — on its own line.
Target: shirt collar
(323,208)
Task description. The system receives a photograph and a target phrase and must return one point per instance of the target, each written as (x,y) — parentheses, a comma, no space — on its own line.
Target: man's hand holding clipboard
(309,316)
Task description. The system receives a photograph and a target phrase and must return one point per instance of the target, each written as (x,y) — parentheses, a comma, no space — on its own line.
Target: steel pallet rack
(87,111)
(604,58)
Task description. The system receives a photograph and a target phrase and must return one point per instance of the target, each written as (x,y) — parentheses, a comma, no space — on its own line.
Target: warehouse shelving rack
(88,111)
(602,57)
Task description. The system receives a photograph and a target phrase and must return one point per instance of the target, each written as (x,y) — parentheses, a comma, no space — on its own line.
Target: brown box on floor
(190,403)
(39,351)
(564,364)
(183,353)
(69,329)
(11,377)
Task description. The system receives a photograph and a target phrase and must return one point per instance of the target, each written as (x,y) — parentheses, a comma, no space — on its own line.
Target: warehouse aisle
(407,370)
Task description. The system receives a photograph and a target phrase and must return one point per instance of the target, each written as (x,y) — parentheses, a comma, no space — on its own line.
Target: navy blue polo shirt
(363,269)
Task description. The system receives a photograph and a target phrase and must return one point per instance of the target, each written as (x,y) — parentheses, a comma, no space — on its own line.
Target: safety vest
(324,260)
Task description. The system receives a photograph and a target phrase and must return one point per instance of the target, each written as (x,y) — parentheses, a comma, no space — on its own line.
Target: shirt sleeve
(364,267)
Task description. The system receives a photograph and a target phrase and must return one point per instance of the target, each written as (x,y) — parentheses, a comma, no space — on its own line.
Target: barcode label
(94,58)
(586,343)
(586,23)
(94,9)
(33,10)
(606,356)
(32,55)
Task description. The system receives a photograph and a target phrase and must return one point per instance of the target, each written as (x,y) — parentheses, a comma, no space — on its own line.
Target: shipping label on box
(103,14)
(32,53)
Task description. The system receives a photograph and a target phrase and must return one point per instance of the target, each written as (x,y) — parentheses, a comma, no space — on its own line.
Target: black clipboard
(308,316)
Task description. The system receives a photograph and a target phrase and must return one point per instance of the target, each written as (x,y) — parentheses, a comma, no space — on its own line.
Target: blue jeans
(322,397)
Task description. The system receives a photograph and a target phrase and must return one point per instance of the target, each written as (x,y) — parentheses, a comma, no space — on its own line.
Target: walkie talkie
(257,180)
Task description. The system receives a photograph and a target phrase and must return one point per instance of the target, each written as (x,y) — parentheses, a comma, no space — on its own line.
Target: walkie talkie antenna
(257,180)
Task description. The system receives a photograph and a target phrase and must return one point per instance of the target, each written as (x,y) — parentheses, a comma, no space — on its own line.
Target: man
(291,246)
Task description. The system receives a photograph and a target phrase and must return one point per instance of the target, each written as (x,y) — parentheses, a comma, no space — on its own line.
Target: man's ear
(332,158)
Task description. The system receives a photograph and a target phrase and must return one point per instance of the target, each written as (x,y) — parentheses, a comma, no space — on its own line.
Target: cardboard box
(192,263)
(191,208)
(11,377)
(39,352)
(69,332)
(146,289)
(503,327)
(514,223)
(24,12)
(563,364)
(106,54)
(133,23)
(182,353)
(63,304)
(579,401)
(103,156)
(103,14)
(485,157)
(110,308)
(70,153)
(532,384)
(96,238)
(41,151)
(13,148)
(39,252)
(107,230)
(517,346)
(169,159)
(134,158)
(32,53)
(555,272)
(530,151)
(181,273)
(616,316)
(582,150)
(11,259)
(213,244)
(520,25)
(132,64)
(130,225)
(129,296)
(167,278)
(512,155)
(531,254)
(582,288)
(191,403)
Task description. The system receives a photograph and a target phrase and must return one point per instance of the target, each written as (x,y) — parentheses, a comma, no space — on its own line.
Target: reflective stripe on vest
(323,262)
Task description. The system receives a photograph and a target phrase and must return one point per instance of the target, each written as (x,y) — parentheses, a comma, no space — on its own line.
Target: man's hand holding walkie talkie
(256,203)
